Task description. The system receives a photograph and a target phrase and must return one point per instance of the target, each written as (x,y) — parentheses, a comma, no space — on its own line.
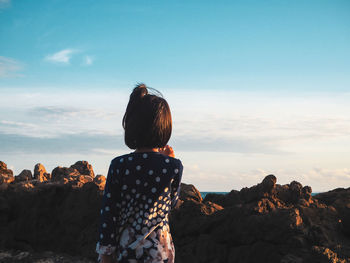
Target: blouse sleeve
(107,239)
(175,185)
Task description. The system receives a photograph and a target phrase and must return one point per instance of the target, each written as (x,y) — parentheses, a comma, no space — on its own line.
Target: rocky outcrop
(25,175)
(267,222)
(100,181)
(6,175)
(264,223)
(77,174)
(40,173)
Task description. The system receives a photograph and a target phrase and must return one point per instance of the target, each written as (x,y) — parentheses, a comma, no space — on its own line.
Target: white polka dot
(145,184)
(150,172)
(158,179)
(139,220)
(167,160)
(114,219)
(176,171)
(126,172)
(121,160)
(154,221)
(159,219)
(124,187)
(149,201)
(138,227)
(101,211)
(112,235)
(144,155)
(117,171)
(104,225)
(138,168)
(154,190)
(101,236)
(164,171)
(109,195)
(151,210)
(149,224)
(107,208)
(146,206)
(133,191)
(166,189)
(138,181)
(130,158)
(137,195)
(146,214)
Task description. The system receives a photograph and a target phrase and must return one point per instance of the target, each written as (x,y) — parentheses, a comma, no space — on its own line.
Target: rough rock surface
(77,174)
(15,256)
(6,175)
(267,222)
(40,173)
(25,175)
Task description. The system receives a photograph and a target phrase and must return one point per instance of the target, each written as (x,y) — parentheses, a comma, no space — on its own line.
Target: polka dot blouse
(141,188)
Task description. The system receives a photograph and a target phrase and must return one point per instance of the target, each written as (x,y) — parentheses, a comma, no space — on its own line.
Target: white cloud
(88,61)
(9,67)
(64,56)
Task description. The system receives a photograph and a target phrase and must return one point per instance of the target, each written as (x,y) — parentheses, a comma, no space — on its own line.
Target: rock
(61,173)
(40,173)
(84,168)
(189,192)
(6,175)
(77,174)
(100,181)
(267,222)
(25,175)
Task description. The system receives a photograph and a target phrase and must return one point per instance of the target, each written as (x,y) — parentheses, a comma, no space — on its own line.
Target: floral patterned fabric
(140,190)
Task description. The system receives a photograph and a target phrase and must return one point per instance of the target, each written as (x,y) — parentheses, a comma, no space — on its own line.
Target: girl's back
(141,188)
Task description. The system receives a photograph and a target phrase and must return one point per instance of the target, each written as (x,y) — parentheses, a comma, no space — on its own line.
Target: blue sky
(266,84)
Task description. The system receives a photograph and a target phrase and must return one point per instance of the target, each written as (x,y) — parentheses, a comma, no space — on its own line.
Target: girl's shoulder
(147,156)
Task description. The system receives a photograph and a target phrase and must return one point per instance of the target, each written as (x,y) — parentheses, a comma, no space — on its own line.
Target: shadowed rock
(25,175)
(267,222)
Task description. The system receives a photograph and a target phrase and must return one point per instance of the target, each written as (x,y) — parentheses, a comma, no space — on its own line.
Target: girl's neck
(146,150)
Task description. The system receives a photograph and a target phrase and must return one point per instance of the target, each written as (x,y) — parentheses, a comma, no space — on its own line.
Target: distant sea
(205,193)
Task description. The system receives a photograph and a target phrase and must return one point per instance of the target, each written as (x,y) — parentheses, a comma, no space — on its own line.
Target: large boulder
(84,168)
(25,175)
(100,181)
(40,173)
(6,175)
(77,174)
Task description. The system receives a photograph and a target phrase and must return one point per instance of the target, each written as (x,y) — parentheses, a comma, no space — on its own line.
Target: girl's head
(147,120)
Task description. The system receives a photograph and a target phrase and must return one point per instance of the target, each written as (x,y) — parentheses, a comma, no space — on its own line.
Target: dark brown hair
(147,119)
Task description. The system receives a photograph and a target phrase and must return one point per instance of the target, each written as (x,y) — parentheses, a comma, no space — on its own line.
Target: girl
(141,187)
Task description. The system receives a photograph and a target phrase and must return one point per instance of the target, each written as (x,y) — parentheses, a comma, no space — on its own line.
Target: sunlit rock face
(267,222)
(6,175)
(40,173)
